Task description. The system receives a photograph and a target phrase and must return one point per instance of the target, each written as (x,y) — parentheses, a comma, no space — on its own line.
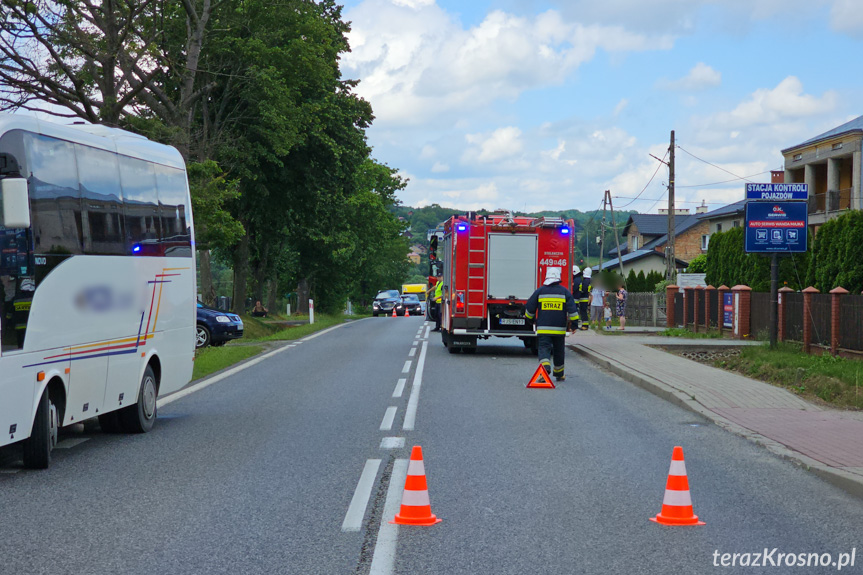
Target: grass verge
(212,359)
(321,322)
(835,380)
(685,333)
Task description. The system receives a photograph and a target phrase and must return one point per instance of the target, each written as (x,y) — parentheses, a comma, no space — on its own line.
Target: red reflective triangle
(540,379)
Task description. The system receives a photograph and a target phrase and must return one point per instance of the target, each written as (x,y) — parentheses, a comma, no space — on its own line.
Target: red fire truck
(491,266)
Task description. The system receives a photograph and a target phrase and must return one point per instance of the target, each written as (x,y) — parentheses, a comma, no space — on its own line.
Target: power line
(723,182)
(648,182)
(714,165)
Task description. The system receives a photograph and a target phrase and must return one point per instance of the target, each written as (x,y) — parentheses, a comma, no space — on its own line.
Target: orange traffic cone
(406,312)
(394,311)
(416,507)
(677,504)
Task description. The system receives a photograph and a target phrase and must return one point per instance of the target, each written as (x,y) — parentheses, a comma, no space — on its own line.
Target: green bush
(728,264)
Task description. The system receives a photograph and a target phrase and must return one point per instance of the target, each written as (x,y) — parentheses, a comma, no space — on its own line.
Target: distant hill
(429,217)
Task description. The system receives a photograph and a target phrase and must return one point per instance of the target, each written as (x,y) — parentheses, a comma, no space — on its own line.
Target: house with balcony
(831,164)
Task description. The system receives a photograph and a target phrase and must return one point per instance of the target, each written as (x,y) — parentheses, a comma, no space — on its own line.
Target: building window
(633,243)
(837,146)
(718,227)
(797,157)
(736,223)
(705,241)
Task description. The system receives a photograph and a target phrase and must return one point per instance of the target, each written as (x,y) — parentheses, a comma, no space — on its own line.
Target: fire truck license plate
(507,321)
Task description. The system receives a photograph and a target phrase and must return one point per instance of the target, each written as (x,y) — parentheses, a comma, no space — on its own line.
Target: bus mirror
(15,208)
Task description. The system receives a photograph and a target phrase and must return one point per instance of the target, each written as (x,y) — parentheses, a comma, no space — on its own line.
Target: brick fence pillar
(708,293)
(696,306)
(781,312)
(722,290)
(807,318)
(835,294)
(742,307)
(670,292)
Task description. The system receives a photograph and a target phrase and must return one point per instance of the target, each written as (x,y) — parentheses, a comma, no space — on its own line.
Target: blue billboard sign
(776,227)
(728,310)
(777,192)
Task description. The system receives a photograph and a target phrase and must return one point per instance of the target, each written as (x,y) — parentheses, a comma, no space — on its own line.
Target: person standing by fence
(597,303)
(621,306)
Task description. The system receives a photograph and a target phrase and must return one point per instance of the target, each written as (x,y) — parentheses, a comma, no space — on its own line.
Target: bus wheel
(43,437)
(139,418)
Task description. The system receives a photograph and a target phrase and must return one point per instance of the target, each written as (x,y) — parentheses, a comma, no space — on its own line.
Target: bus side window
(55,201)
(141,206)
(176,232)
(101,201)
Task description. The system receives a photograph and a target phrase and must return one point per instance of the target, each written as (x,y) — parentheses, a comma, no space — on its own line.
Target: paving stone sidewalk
(828,441)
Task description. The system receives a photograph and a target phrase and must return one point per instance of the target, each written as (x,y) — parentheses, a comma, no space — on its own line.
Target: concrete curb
(848,482)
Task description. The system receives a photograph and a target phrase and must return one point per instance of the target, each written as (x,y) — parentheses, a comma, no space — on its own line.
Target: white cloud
(785,101)
(418,63)
(700,77)
(620,106)
(439,168)
(847,16)
(501,144)
(415,4)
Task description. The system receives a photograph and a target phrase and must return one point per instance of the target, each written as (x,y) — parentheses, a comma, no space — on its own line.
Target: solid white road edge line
(400,387)
(384,556)
(357,509)
(413,401)
(428,329)
(389,417)
(407,366)
(163,401)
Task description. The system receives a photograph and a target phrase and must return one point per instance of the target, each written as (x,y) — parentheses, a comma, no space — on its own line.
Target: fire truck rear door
(512,265)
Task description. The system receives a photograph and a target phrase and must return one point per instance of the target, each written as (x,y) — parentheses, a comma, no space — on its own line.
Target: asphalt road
(257,473)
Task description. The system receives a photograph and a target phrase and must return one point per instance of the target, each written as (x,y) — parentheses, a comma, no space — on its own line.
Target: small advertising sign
(728,310)
(776,227)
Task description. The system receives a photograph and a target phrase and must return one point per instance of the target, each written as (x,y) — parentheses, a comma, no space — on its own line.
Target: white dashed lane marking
(357,509)
(389,416)
(392,442)
(400,387)
(407,366)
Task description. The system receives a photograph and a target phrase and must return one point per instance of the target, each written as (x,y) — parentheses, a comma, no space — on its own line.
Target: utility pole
(616,238)
(602,231)
(669,248)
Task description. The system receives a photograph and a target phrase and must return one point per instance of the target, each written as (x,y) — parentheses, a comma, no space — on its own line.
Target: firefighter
(438,297)
(584,288)
(554,308)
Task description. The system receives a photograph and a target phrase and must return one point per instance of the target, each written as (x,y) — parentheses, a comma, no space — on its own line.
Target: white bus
(97,280)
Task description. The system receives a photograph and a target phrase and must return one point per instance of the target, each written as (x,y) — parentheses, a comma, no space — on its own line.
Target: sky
(543,105)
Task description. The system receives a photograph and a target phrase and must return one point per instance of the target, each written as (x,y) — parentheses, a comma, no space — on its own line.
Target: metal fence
(759,315)
(713,298)
(851,322)
(820,319)
(645,309)
(793,316)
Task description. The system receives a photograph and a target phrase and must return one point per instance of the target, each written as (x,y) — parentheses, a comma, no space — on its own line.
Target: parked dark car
(216,327)
(412,303)
(385,301)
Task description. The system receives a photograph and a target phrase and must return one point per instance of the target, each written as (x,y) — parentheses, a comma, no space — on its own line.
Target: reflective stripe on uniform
(574,317)
(528,315)
(551,296)
(551,330)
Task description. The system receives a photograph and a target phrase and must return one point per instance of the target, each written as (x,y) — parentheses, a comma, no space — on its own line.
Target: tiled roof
(658,224)
(854,125)
(637,255)
(731,209)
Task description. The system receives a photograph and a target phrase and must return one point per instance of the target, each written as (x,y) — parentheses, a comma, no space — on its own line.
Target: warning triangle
(540,379)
